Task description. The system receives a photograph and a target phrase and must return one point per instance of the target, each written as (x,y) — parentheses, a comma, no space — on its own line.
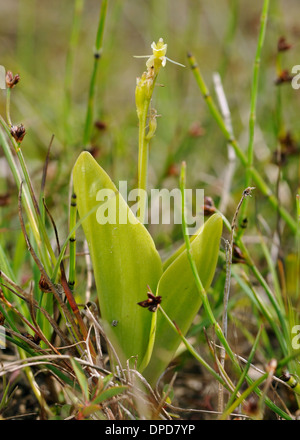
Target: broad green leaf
(125,262)
(180,297)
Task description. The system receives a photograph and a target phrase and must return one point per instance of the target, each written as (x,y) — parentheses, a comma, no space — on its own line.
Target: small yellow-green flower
(159,53)
(145,83)
(152,124)
(158,57)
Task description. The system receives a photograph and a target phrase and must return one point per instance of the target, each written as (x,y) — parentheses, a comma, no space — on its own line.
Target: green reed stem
(72,245)
(92,90)
(67,240)
(259,181)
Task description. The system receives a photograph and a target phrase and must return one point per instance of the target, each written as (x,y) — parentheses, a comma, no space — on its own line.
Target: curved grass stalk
(72,246)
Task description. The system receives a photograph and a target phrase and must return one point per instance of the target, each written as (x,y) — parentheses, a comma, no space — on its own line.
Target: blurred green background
(222,35)
(35,40)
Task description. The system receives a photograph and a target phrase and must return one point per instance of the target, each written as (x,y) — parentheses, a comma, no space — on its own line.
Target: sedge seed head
(18,132)
(11,79)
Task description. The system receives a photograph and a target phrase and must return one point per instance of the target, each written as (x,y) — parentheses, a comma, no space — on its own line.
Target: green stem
(143,157)
(67,240)
(72,246)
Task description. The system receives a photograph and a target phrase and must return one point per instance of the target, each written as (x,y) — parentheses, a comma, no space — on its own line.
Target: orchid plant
(126,263)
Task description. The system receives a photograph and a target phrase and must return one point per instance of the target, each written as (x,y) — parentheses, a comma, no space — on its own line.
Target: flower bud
(140,95)
(143,92)
(152,125)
